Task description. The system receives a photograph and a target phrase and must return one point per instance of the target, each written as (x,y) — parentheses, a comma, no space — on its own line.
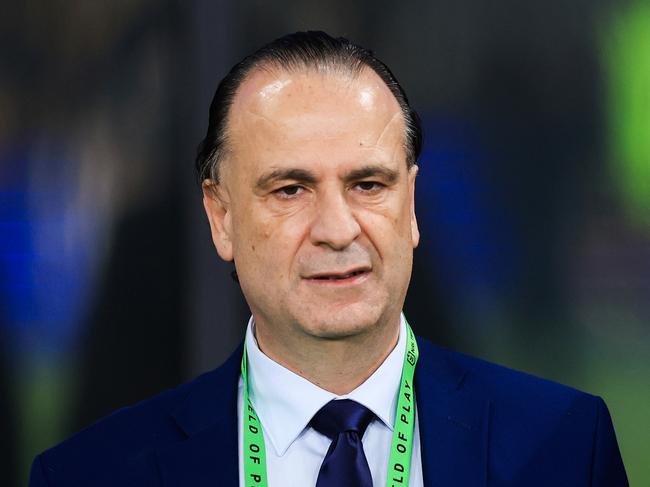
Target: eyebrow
(298,175)
(387,174)
(308,177)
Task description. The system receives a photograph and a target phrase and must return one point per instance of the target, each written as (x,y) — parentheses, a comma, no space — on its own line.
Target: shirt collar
(286,402)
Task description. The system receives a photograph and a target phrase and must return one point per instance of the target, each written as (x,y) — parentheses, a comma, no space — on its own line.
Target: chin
(341,325)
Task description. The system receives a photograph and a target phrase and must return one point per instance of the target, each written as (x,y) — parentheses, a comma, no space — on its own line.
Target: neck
(337,365)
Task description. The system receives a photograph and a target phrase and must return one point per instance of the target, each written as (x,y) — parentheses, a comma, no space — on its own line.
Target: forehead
(272,87)
(308,107)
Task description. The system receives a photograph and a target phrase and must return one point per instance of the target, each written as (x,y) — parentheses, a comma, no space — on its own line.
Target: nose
(334,225)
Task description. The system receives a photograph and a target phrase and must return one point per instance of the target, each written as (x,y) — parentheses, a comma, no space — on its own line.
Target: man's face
(315,203)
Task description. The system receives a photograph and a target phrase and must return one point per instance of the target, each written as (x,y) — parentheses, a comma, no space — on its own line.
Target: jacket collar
(453,426)
(208,416)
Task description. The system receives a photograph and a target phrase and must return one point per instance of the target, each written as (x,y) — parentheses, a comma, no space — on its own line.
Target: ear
(415,231)
(217,208)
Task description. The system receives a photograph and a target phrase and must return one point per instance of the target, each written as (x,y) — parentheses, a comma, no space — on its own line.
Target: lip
(350,276)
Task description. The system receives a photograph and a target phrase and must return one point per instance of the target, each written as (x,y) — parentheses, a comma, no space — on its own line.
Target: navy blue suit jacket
(480,425)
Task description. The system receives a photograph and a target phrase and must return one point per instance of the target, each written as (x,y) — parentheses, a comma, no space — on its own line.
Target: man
(308,173)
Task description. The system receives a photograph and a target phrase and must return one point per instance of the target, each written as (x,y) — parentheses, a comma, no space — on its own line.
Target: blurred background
(533,196)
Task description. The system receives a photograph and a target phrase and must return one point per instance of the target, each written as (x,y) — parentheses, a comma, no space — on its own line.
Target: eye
(289,191)
(369,186)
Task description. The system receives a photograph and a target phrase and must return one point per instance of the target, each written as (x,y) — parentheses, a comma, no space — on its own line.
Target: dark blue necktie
(345,465)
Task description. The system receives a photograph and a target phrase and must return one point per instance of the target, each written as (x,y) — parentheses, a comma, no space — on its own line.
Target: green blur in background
(102,105)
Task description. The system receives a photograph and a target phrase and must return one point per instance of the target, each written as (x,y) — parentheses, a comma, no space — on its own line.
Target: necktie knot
(342,415)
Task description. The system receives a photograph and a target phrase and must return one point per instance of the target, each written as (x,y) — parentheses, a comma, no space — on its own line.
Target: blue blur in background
(533,196)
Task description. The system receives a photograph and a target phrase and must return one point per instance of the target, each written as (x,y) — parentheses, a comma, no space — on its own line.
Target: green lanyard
(399,464)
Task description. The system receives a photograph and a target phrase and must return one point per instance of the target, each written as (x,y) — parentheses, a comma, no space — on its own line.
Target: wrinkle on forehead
(261,116)
(396,118)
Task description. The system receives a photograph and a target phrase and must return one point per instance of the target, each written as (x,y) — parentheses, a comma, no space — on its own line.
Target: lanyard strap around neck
(399,464)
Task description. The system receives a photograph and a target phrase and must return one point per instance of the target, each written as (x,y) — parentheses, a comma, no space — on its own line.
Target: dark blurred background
(533,197)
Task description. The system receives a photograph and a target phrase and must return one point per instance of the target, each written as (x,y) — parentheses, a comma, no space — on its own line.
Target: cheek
(388,223)
(390,237)
(270,243)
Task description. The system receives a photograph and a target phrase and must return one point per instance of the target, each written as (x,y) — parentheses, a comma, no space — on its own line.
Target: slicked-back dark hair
(312,50)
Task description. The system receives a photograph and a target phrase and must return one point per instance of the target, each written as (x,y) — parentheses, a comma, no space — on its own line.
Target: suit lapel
(453,424)
(208,416)
(453,427)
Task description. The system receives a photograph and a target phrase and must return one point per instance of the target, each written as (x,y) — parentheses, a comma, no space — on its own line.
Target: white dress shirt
(286,402)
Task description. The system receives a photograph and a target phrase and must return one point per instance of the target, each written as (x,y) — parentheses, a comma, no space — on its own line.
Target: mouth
(346,276)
